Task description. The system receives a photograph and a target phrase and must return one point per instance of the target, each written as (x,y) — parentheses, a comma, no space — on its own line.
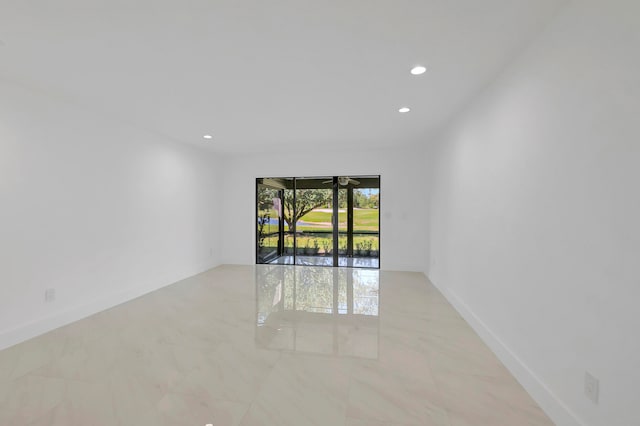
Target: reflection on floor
(267,345)
(319,310)
(350,262)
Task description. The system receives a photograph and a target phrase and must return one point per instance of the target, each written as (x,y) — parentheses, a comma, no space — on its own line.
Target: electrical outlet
(591,387)
(50,295)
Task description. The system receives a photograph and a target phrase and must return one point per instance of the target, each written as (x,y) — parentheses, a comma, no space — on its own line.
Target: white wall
(535,214)
(98,210)
(402,205)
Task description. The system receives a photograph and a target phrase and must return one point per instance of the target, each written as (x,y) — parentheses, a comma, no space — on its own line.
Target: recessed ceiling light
(418,69)
(208,137)
(404,109)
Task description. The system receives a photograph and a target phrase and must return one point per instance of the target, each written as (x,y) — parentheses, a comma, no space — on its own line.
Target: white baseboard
(557,410)
(43,325)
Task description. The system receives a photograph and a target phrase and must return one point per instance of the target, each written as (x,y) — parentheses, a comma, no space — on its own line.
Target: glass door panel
(359,228)
(269,223)
(343,227)
(366,224)
(314,221)
(289,235)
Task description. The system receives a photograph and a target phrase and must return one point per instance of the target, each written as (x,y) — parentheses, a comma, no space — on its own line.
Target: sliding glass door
(320,221)
(363,224)
(314,221)
(269,223)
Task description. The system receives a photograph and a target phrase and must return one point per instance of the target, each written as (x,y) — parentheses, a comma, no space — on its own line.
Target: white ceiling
(267,74)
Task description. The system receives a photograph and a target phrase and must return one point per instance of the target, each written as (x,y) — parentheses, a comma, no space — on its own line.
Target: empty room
(330,213)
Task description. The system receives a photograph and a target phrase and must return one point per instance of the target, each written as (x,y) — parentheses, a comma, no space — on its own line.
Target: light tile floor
(267,345)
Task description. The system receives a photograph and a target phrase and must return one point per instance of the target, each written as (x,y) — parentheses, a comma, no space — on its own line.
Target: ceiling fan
(344,181)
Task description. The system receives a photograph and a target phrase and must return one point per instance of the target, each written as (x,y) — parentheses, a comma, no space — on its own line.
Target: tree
(366,198)
(266,198)
(375,200)
(306,200)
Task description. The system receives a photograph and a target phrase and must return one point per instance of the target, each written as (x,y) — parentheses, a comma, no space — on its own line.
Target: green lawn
(319,221)
(316,216)
(363,220)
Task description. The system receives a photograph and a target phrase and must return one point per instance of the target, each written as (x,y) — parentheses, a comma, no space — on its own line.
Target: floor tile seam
(462,374)
(66,379)
(432,408)
(33,374)
(63,401)
(208,400)
(438,389)
(450,371)
(46,412)
(211,399)
(192,394)
(259,390)
(382,422)
(495,398)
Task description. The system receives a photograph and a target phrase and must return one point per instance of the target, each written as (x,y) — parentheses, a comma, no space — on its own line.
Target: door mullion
(295,231)
(335,221)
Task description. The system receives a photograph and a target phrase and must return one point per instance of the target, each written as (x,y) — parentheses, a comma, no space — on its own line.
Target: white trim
(557,410)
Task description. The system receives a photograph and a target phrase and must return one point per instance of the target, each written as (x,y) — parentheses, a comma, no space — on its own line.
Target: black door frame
(334,221)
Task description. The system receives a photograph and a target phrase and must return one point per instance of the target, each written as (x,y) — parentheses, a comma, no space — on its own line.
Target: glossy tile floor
(267,345)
